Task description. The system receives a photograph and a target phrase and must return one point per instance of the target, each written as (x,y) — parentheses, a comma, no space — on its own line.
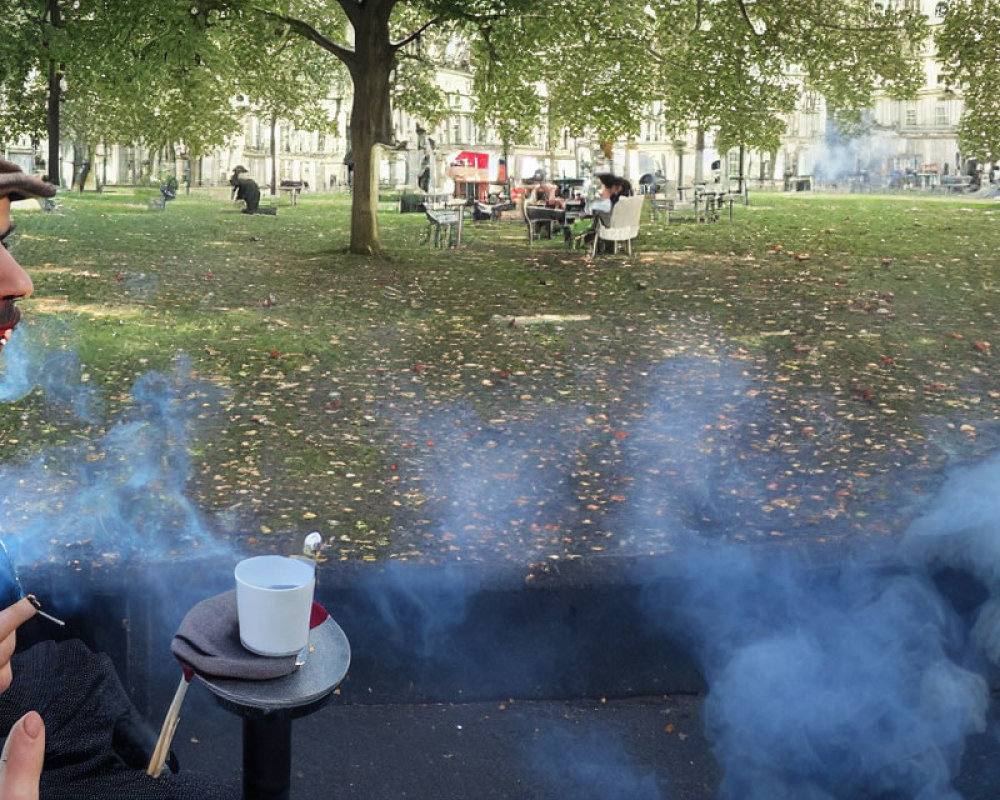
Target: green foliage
(415,91)
(287,77)
(22,85)
(134,72)
(162,71)
(505,83)
(967,47)
(732,67)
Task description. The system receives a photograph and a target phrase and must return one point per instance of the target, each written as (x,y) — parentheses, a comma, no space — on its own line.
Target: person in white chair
(613,188)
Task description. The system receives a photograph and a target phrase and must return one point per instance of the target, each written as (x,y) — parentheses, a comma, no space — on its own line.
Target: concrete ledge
(607,627)
(419,633)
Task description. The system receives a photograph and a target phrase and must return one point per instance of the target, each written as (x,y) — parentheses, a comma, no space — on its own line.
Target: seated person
(71,731)
(612,189)
(537,210)
(546,194)
(169,189)
(535,195)
(248,191)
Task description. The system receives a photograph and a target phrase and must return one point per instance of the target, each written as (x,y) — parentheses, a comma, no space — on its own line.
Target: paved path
(636,749)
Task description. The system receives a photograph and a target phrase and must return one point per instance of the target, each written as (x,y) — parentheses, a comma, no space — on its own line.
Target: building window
(911,116)
(733,164)
(941,115)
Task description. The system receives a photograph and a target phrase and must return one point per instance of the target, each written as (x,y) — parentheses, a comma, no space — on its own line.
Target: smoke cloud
(119,497)
(827,679)
(844,680)
(28,363)
(839,682)
(959,535)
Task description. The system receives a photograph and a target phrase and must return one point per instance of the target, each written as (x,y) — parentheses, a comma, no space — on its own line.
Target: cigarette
(38,610)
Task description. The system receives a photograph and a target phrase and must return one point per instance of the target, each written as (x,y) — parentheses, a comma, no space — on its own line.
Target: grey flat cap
(18,185)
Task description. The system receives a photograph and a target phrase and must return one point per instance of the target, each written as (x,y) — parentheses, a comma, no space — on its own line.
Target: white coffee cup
(274,596)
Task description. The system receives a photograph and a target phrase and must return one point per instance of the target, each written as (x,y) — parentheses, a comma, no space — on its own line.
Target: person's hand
(24,750)
(11,618)
(21,761)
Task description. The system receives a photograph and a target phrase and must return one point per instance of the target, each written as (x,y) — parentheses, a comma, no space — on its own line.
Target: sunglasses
(8,234)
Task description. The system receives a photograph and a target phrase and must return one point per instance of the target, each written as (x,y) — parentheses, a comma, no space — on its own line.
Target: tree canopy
(160,71)
(151,72)
(731,66)
(967,46)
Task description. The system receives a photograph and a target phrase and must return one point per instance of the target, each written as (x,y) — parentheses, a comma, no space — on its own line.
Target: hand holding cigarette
(11,618)
(24,750)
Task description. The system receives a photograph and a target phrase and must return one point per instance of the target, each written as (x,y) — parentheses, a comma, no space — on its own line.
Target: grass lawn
(801,374)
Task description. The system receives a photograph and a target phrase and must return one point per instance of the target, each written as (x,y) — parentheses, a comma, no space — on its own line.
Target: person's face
(605,191)
(14,281)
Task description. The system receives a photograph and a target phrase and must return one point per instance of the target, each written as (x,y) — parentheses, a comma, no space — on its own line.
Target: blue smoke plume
(119,497)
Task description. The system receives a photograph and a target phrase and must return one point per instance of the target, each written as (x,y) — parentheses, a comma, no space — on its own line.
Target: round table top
(326,666)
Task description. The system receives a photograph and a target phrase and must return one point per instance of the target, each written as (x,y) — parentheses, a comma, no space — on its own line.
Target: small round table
(268,708)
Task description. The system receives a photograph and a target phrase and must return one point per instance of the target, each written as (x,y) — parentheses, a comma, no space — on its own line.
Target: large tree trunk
(54,99)
(370,119)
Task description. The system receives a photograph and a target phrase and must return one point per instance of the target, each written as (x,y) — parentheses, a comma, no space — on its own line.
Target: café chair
(535,222)
(624,225)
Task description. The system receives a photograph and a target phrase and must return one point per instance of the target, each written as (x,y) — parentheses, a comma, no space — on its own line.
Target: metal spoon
(310,548)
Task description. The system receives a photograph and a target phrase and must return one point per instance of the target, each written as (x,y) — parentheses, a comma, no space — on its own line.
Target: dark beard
(10,314)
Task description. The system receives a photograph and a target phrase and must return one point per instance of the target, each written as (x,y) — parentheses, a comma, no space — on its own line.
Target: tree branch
(307,31)
(746,17)
(416,34)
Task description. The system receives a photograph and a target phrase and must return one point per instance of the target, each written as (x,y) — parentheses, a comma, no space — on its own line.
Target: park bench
(538,217)
(799,183)
(954,184)
(437,201)
(293,189)
(441,221)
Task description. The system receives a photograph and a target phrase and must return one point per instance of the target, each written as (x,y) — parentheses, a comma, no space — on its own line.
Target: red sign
(469,159)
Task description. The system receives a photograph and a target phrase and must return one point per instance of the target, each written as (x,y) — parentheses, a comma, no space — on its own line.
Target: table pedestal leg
(267,757)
